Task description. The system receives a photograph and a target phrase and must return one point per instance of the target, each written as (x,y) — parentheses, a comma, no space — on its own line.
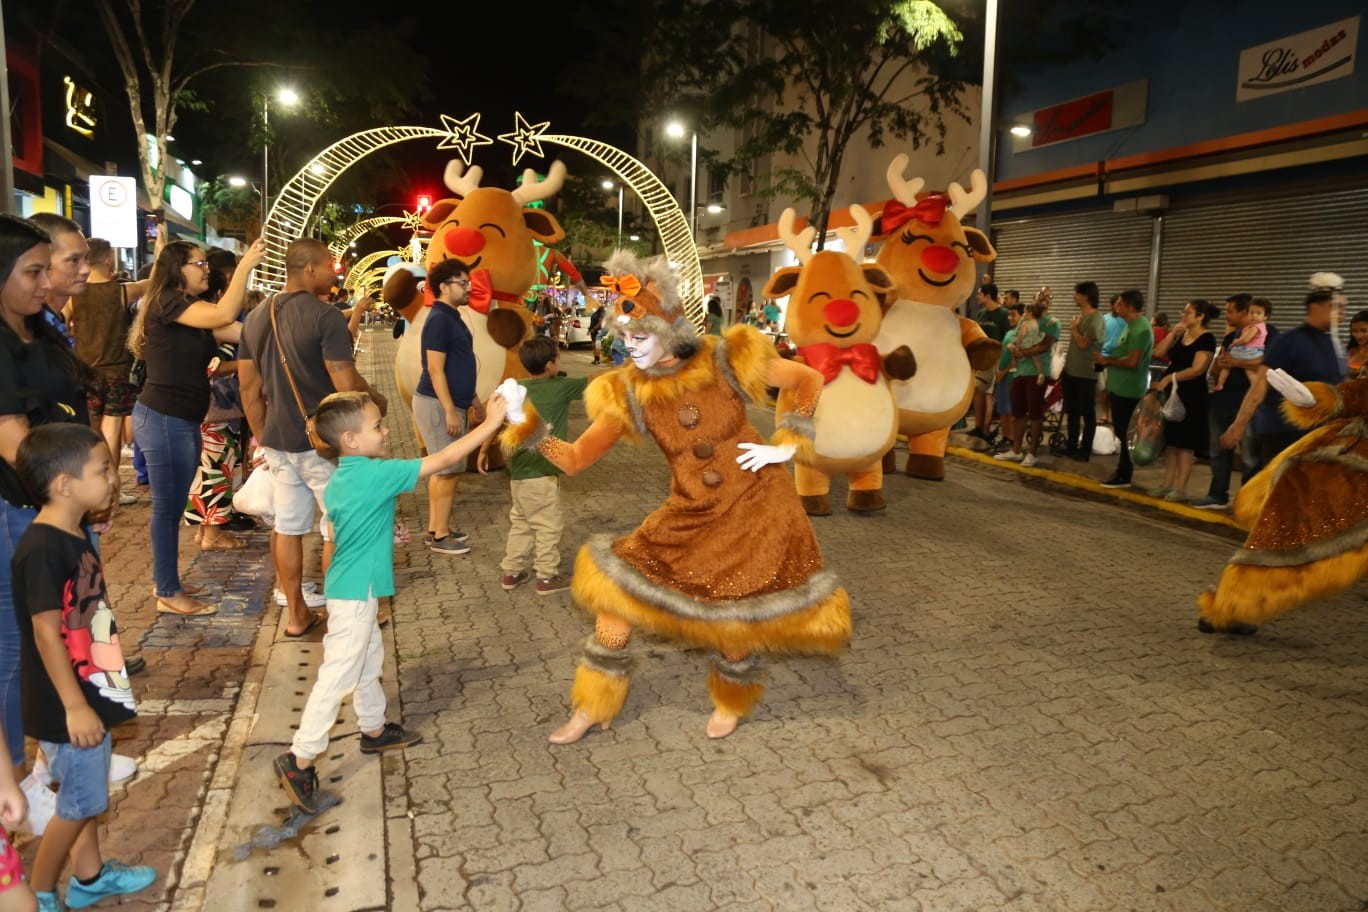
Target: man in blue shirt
(444,393)
(1308,353)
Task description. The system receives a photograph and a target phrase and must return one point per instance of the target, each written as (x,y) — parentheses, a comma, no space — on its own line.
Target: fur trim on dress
(733,696)
(599,696)
(1328,405)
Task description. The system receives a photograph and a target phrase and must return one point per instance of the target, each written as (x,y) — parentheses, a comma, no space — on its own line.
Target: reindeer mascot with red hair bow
(728,562)
(933,260)
(836,306)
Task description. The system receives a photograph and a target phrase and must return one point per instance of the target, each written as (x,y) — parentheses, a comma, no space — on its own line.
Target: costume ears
(438,212)
(782,282)
(543,226)
(979,243)
(881,283)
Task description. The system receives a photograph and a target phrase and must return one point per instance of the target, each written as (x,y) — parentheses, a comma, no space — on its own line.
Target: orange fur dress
(1307,515)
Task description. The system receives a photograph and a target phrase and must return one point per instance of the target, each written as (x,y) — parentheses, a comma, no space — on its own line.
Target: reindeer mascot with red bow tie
(835,309)
(933,258)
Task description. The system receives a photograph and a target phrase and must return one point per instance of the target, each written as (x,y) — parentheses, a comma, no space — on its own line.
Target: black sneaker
(301,784)
(429,538)
(1116,481)
(393,737)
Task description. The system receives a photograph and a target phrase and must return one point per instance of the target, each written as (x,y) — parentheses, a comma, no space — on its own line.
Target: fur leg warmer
(735,687)
(600,686)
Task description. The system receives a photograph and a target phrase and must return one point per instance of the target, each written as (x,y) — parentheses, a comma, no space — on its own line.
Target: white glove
(759,455)
(514,394)
(1293,390)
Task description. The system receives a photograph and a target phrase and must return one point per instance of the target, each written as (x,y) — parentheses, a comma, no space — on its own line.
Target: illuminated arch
(367,262)
(294,207)
(344,239)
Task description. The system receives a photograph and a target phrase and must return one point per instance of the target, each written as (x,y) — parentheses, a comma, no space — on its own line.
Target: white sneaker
(127,451)
(42,805)
(1028,460)
(1008,456)
(126,499)
(121,767)
(312,597)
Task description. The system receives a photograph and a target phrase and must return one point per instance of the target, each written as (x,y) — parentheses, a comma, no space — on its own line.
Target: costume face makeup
(645,350)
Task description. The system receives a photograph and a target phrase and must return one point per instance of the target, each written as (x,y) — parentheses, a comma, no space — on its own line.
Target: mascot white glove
(759,455)
(1293,390)
(514,394)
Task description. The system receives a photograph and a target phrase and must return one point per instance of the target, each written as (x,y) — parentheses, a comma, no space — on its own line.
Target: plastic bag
(1173,409)
(1149,430)
(257,495)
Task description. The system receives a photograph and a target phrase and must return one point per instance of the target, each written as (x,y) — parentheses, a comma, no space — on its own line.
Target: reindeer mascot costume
(728,562)
(836,306)
(933,258)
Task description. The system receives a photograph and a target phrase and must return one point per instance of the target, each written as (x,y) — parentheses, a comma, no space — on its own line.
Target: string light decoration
(344,239)
(293,208)
(366,263)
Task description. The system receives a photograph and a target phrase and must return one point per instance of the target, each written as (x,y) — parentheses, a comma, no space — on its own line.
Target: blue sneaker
(116,879)
(50,902)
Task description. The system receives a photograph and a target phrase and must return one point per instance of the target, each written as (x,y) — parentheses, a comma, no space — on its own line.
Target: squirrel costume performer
(729,561)
(1307,512)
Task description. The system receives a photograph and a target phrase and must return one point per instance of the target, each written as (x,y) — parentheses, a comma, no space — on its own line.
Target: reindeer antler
(859,234)
(961,202)
(456,183)
(800,243)
(904,191)
(533,189)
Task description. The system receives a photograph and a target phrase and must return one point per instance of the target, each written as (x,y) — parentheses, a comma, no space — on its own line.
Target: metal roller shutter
(1268,246)
(1109,248)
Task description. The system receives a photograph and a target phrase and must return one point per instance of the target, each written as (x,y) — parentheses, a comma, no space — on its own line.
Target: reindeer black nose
(627,306)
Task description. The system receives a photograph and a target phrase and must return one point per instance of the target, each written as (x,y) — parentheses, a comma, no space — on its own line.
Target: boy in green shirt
(360,504)
(1127,376)
(534,522)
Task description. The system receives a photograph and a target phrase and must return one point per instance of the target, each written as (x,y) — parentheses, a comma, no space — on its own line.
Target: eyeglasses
(464,283)
(202,264)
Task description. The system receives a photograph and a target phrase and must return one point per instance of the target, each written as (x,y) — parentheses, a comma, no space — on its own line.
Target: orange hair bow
(628,286)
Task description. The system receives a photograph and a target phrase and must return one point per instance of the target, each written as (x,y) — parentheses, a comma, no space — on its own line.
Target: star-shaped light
(464,135)
(525,137)
(412,221)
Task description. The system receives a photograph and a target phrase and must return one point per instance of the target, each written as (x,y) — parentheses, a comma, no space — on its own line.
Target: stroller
(1052,428)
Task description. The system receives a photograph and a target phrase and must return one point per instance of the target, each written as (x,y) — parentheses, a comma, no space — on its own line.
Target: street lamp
(676,129)
(609,185)
(289,98)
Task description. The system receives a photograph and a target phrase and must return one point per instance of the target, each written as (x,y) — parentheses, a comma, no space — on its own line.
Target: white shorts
(299,480)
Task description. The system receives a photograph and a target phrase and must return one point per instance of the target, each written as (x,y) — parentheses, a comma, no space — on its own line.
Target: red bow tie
(929,211)
(827,358)
(481,292)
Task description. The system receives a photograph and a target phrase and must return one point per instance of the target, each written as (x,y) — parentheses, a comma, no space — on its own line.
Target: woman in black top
(40,382)
(1189,349)
(176,336)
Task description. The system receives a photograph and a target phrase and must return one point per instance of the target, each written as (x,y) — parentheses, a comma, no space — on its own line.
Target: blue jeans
(172,448)
(13,521)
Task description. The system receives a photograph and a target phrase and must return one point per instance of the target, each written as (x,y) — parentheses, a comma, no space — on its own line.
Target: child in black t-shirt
(75,686)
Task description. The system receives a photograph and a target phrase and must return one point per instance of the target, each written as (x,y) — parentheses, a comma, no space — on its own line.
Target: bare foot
(721,724)
(575,729)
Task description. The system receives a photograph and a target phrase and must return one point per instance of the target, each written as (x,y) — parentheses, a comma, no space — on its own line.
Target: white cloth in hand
(758,455)
(514,394)
(1293,390)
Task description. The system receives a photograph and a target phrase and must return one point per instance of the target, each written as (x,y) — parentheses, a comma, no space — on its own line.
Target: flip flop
(314,620)
(165,607)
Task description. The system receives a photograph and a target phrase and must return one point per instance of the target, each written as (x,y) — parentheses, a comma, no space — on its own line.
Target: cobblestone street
(1026,719)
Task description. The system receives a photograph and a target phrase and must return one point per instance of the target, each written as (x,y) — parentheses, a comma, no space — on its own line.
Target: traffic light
(424,203)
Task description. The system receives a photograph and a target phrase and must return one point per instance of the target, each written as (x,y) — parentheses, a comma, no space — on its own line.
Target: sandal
(201,609)
(225,541)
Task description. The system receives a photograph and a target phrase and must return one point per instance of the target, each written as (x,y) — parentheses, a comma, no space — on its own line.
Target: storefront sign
(1319,55)
(114,210)
(1100,112)
(80,109)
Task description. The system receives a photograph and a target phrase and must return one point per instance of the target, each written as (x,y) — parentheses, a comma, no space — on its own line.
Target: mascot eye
(502,233)
(911,237)
(858,293)
(968,251)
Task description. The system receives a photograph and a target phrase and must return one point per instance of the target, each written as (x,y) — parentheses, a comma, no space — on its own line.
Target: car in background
(574,328)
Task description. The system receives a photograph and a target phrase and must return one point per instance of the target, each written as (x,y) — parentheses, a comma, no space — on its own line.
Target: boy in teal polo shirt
(360,504)
(1127,376)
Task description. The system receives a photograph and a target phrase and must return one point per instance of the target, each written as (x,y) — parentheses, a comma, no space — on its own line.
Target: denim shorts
(298,482)
(84,775)
(431,421)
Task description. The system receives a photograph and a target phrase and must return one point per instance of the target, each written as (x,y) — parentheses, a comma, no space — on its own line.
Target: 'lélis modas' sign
(1312,57)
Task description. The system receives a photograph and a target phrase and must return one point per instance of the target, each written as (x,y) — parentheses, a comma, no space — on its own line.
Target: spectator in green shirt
(1127,376)
(1080,376)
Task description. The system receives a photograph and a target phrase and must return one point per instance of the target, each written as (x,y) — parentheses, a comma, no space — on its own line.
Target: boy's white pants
(353,657)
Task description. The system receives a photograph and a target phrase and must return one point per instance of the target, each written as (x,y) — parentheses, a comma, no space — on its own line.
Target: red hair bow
(827,358)
(928,210)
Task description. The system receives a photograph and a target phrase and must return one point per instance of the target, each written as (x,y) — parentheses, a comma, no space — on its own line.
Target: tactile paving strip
(337,862)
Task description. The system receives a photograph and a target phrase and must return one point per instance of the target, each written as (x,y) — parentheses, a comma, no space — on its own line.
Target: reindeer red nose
(940,259)
(841,312)
(464,242)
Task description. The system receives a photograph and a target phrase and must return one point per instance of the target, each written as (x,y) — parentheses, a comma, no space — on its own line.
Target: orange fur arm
(592,445)
(970,331)
(1328,405)
(796,427)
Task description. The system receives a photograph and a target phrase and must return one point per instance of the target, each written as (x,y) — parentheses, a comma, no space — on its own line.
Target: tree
(807,77)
